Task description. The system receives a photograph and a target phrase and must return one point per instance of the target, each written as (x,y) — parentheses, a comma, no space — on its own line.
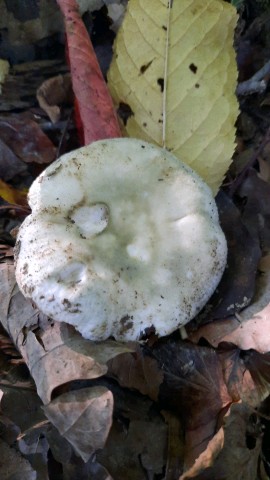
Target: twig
(257,83)
(19,208)
(63,134)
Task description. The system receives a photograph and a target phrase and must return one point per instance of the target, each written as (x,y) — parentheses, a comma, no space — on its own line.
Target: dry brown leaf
(229,455)
(4,69)
(237,285)
(246,374)
(6,252)
(54,92)
(137,443)
(250,330)
(13,466)
(26,139)
(83,417)
(10,164)
(255,209)
(194,388)
(7,285)
(59,355)
(54,352)
(264,166)
(22,406)
(136,370)
(175,451)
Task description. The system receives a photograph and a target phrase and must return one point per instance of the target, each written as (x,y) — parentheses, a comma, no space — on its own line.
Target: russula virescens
(122,237)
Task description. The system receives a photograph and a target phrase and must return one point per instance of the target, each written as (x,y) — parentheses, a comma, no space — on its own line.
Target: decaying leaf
(4,68)
(250,330)
(137,443)
(175,451)
(13,465)
(26,139)
(10,164)
(83,417)
(233,452)
(256,209)
(135,370)
(236,288)
(246,374)
(54,352)
(174,70)
(54,92)
(22,406)
(56,355)
(59,355)
(7,285)
(194,388)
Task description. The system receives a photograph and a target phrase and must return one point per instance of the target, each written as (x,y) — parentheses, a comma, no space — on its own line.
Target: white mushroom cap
(122,237)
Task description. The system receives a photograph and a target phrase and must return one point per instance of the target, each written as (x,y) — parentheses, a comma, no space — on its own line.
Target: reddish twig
(97,113)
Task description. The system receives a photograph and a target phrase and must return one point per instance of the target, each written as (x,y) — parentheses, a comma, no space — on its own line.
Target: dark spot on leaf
(144,124)
(197,85)
(145,67)
(164,28)
(160,82)
(125,112)
(193,68)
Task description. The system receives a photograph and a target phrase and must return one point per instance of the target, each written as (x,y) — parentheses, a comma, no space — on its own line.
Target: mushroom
(123,237)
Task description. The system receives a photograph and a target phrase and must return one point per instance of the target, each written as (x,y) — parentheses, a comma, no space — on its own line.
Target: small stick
(257,83)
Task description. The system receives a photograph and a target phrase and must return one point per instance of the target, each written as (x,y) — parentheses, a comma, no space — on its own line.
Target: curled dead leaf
(54,352)
(234,450)
(26,139)
(83,417)
(54,92)
(137,370)
(250,329)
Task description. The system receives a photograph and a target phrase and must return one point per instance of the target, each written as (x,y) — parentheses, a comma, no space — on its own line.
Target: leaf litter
(203,400)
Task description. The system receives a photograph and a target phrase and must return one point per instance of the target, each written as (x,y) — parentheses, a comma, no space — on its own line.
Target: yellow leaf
(11,195)
(174,73)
